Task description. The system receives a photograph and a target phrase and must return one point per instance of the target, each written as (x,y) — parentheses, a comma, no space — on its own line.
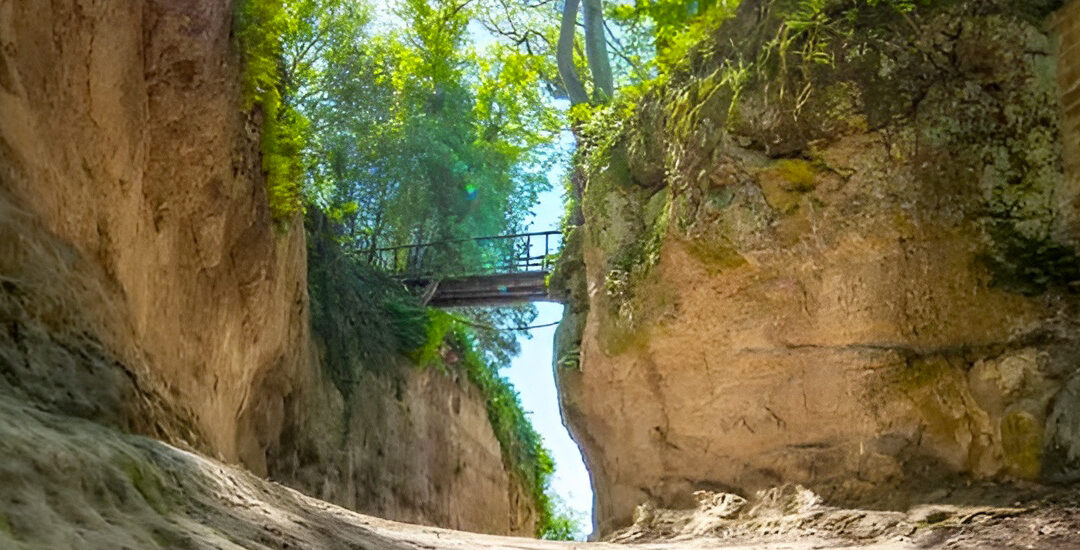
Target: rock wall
(145,287)
(418,447)
(123,128)
(858,275)
(1067,26)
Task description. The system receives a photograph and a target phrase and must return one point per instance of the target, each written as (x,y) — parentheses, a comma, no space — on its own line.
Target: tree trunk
(596,50)
(565,55)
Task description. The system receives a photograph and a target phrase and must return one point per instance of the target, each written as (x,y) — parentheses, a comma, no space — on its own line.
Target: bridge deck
(502,270)
(486,290)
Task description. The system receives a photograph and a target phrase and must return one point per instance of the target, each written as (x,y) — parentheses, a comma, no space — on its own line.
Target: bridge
(485,271)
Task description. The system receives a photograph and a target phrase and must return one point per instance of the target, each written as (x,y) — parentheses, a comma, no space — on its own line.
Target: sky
(531,372)
(533,376)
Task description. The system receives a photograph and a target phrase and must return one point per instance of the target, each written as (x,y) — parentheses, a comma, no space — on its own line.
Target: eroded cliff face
(145,287)
(123,134)
(858,276)
(418,447)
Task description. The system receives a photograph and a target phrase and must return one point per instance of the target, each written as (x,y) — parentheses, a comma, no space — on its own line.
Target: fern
(258,27)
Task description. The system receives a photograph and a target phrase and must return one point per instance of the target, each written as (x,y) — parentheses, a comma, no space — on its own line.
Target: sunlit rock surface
(860,277)
(144,286)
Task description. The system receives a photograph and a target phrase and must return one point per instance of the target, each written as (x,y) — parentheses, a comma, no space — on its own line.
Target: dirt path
(70,483)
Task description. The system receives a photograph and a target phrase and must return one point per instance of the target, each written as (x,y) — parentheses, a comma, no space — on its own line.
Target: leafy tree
(417,138)
(672,26)
(565,523)
(599,58)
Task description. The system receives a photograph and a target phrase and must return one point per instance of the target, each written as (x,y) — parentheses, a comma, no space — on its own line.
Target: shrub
(258,26)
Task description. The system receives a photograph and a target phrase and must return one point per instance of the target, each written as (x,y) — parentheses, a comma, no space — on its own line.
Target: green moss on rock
(567,280)
(1031,266)
(147,481)
(921,373)
(1022,443)
(715,256)
(785,183)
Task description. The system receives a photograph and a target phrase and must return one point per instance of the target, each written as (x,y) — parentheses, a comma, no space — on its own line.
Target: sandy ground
(70,483)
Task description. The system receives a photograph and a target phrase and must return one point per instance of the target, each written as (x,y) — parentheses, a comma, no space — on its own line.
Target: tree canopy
(417,137)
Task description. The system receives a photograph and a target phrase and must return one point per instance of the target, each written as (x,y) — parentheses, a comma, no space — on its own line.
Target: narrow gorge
(820,272)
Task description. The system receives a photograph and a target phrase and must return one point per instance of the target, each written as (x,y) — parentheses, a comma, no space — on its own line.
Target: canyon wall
(417,447)
(859,274)
(1066,25)
(145,286)
(123,124)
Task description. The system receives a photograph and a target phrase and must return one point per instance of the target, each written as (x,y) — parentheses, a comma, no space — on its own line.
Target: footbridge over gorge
(486,271)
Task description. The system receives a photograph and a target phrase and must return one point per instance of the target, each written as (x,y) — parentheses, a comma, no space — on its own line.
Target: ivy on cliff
(258,28)
(452,344)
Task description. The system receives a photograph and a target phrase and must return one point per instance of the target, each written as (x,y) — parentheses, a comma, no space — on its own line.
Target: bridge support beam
(487,290)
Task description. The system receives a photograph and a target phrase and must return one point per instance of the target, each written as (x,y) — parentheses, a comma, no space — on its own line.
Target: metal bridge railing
(502,254)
